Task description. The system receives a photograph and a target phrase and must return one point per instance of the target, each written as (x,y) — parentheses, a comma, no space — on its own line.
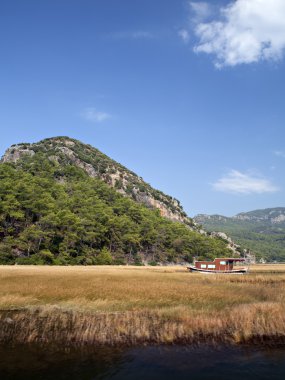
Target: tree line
(56,214)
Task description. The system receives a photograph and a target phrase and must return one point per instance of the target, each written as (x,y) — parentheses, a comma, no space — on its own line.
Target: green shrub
(104,257)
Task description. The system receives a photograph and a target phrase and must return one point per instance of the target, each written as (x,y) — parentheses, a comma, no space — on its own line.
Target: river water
(144,363)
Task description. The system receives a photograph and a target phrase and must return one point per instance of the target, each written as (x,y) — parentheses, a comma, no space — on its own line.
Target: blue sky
(189,95)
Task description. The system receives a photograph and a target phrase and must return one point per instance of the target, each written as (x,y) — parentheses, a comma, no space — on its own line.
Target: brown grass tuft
(132,305)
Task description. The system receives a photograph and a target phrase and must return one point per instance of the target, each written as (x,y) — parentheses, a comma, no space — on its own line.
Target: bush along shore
(129,306)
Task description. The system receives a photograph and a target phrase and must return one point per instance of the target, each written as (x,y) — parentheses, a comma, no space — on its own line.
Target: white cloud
(279,153)
(246,31)
(244,183)
(91,114)
(202,10)
(184,34)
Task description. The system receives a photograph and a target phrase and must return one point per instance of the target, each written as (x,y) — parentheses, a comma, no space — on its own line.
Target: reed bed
(134,305)
(268,268)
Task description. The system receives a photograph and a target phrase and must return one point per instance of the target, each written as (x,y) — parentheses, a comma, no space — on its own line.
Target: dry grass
(268,268)
(98,305)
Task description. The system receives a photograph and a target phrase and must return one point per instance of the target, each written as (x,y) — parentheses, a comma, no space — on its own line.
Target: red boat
(219,265)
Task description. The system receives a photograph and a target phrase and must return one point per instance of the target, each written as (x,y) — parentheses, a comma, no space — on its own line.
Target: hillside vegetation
(66,151)
(54,212)
(261,231)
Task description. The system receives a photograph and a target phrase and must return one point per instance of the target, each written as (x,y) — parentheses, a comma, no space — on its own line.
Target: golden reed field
(140,305)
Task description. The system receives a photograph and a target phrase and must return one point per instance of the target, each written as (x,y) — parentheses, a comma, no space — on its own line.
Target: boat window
(211,266)
(222,263)
(203,266)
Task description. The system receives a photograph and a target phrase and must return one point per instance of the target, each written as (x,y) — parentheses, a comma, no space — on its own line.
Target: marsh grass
(131,305)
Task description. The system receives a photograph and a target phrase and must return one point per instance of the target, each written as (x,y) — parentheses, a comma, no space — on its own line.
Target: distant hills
(262,231)
(65,202)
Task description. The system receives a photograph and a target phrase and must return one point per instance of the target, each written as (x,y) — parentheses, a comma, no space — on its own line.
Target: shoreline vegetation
(127,305)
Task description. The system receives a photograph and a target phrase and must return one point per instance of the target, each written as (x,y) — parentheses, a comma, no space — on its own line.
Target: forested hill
(66,151)
(63,202)
(262,231)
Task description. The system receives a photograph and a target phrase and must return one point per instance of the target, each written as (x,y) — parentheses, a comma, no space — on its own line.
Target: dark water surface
(171,362)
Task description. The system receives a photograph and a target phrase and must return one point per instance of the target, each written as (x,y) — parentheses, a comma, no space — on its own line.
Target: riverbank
(75,306)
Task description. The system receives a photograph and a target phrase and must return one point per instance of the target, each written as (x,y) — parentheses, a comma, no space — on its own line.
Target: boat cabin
(220,264)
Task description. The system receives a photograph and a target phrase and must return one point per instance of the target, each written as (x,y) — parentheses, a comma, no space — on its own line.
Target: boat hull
(206,271)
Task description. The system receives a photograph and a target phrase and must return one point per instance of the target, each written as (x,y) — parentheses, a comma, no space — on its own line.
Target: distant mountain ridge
(263,231)
(270,216)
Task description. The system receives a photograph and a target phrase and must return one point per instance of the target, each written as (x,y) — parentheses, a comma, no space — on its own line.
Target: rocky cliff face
(64,150)
(235,248)
(15,153)
(202,218)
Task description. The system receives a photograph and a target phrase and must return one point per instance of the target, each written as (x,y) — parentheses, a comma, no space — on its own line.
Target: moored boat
(219,266)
